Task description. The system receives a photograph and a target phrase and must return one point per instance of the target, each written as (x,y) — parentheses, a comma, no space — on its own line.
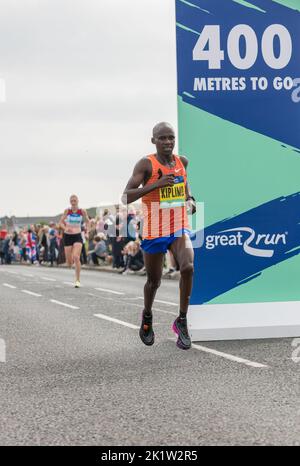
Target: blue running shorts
(162,244)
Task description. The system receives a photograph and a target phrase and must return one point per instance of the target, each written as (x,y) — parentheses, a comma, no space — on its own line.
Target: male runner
(71,222)
(164,194)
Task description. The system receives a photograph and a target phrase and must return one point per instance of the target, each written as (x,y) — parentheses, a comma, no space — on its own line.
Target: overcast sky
(86,80)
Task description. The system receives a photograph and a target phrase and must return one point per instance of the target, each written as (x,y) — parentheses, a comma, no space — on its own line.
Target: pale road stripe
(137,305)
(68,283)
(8,285)
(165,302)
(48,279)
(13,273)
(109,291)
(164,312)
(27,275)
(230,357)
(116,321)
(31,293)
(162,302)
(64,304)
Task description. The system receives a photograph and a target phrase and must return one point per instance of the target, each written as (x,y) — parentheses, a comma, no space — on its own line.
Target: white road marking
(13,273)
(137,305)
(170,303)
(116,321)
(64,304)
(31,293)
(228,356)
(27,275)
(48,279)
(8,285)
(164,312)
(68,283)
(109,291)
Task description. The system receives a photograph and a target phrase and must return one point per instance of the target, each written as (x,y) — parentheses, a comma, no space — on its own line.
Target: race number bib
(173,196)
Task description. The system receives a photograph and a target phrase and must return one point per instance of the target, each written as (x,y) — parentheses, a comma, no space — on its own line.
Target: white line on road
(137,305)
(68,283)
(109,291)
(27,275)
(228,356)
(48,279)
(8,285)
(116,321)
(165,312)
(31,293)
(13,273)
(64,304)
(170,303)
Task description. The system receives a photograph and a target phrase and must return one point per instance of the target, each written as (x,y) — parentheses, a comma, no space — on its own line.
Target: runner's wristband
(191,198)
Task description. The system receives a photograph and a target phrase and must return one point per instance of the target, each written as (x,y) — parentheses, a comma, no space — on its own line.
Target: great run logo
(253,244)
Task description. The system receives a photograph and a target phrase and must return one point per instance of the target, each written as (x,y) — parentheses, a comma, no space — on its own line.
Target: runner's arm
(86,218)
(189,196)
(133,191)
(142,173)
(62,223)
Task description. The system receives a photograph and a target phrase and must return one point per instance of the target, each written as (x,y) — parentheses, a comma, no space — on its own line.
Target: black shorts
(69,240)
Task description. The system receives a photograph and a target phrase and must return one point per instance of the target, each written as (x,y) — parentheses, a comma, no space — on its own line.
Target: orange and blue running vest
(164,209)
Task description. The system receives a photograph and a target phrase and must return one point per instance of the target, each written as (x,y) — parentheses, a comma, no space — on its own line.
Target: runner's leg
(69,256)
(184,255)
(153,264)
(77,247)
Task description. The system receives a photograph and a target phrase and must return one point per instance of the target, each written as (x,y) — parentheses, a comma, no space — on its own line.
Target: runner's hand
(191,206)
(165,180)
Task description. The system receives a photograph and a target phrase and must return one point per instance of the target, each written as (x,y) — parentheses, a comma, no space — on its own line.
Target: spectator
(131,227)
(100,249)
(15,246)
(61,250)
(31,251)
(118,244)
(53,247)
(44,245)
(22,245)
(85,245)
(8,249)
(2,250)
(134,257)
(91,235)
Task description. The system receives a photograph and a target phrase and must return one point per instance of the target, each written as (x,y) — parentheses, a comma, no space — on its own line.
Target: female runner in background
(71,222)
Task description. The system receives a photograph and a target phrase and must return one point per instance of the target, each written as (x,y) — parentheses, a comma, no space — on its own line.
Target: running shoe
(77,284)
(146,330)
(180,328)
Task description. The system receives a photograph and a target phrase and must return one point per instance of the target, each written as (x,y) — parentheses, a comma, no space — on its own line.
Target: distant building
(112,207)
(17,223)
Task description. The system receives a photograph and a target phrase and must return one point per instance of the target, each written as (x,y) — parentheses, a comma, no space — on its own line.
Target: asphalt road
(72,377)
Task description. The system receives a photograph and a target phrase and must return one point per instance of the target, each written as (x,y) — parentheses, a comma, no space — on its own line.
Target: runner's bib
(173,196)
(74,219)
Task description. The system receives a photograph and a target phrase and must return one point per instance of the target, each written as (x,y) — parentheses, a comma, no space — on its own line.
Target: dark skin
(164,140)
